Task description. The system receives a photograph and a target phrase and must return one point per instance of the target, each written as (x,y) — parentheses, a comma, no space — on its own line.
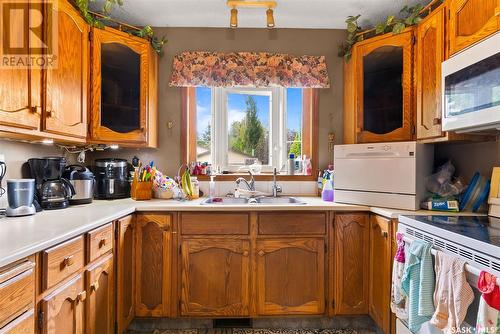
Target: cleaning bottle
(291,164)
(327,193)
(211,187)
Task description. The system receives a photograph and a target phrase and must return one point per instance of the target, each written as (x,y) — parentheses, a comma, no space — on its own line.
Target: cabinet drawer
(24,324)
(292,223)
(17,291)
(214,223)
(62,260)
(100,241)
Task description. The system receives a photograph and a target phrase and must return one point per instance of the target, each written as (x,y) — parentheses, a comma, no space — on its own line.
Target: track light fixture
(270,5)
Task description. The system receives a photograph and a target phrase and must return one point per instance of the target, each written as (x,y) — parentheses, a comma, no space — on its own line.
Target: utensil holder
(141,191)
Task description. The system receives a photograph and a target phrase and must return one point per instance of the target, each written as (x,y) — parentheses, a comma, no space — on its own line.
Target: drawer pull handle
(103,242)
(82,296)
(95,286)
(68,261)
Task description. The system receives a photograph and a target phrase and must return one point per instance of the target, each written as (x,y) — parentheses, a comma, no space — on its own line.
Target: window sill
(260,177)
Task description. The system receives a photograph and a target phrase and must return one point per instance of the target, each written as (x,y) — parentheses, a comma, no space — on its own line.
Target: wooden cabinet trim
(297,223)
(24,324)
(17,295)
(221,223)
(125,272)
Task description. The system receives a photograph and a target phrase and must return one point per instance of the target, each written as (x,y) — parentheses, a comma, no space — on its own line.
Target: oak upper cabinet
(430,53)
(66,85)
(470,21)
(380,82)
(100,293)
(62,311)
(123,103)
(125,273)
(290,276)
(351,263)
(380,271)
(153,265)
(20,103)
(215,277)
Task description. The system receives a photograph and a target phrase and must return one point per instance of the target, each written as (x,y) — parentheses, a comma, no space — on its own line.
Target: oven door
(471,88)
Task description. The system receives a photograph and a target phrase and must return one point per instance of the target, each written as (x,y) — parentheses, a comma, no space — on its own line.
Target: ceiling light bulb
(233,23)
(270,18)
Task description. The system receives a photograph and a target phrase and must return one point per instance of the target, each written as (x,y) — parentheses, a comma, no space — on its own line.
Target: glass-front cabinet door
(119,87)
(384,88)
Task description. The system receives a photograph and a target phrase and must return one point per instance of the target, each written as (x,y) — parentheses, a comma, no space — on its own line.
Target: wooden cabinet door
(470,21)
(100,293)
(384,110)
(215,277)
(351,263)
(430,54)
(380,271)
(125,272)
(63,309)
(66,85)
(290,276)
(120,75)
(20,103)
(153,265)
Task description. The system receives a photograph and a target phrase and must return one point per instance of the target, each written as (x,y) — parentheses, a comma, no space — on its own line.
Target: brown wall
(292,41)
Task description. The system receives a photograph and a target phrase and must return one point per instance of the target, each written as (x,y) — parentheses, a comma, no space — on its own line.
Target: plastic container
(327,193)
(196,187)
(211,187)
(291,164)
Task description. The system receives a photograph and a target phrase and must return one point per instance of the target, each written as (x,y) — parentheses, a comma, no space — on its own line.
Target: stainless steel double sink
(258,200)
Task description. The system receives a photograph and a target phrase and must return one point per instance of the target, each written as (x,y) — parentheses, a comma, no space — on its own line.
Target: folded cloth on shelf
(488,314)
(453,294)
(418,284)
(398,297)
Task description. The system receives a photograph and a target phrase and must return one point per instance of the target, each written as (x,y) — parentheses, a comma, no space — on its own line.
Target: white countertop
(24,236)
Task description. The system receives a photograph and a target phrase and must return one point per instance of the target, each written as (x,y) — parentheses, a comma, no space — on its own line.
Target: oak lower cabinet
(471,21)
(63,310)
(380,271)
(125,272)
(153,265)
(290,276)
(351,263)
(215,277)
(100,303)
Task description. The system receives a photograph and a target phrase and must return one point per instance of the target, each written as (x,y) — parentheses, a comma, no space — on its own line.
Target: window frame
(310,106)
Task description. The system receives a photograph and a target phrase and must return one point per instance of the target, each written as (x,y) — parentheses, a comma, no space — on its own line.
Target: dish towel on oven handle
(398,297)
(418,284)
(488,314)
(453,294)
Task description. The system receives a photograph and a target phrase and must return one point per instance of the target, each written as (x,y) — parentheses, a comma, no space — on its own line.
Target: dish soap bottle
(327,193)
(211,187)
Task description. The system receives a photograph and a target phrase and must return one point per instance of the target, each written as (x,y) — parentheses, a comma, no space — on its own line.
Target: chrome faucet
(250,184)
(276,189)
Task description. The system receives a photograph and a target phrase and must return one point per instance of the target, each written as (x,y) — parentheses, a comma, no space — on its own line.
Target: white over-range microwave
(471,88)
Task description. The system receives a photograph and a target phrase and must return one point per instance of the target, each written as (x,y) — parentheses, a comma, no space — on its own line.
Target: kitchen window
(232,128)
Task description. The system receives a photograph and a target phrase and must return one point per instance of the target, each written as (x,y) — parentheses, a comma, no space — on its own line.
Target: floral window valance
(248,69)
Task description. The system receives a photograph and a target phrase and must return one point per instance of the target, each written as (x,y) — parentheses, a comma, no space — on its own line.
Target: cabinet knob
(82,296)
(50,113)
(245,253)
(94,286)
(36,110)
(103,242)
(68,261)
(436,121)
(262,253)
(384,234)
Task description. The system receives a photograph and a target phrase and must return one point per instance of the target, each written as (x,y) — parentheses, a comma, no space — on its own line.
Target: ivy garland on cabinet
(408,16)
(99,20)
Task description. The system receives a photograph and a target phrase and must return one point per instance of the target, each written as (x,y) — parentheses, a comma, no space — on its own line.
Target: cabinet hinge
(326,248)
(40,319)
(179,305)
(413,129)
(333,304)
(180,249)
(116,328)
(413,40)
(116,231)
(91,35)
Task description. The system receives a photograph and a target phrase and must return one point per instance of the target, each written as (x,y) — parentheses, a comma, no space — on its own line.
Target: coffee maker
(52,190)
